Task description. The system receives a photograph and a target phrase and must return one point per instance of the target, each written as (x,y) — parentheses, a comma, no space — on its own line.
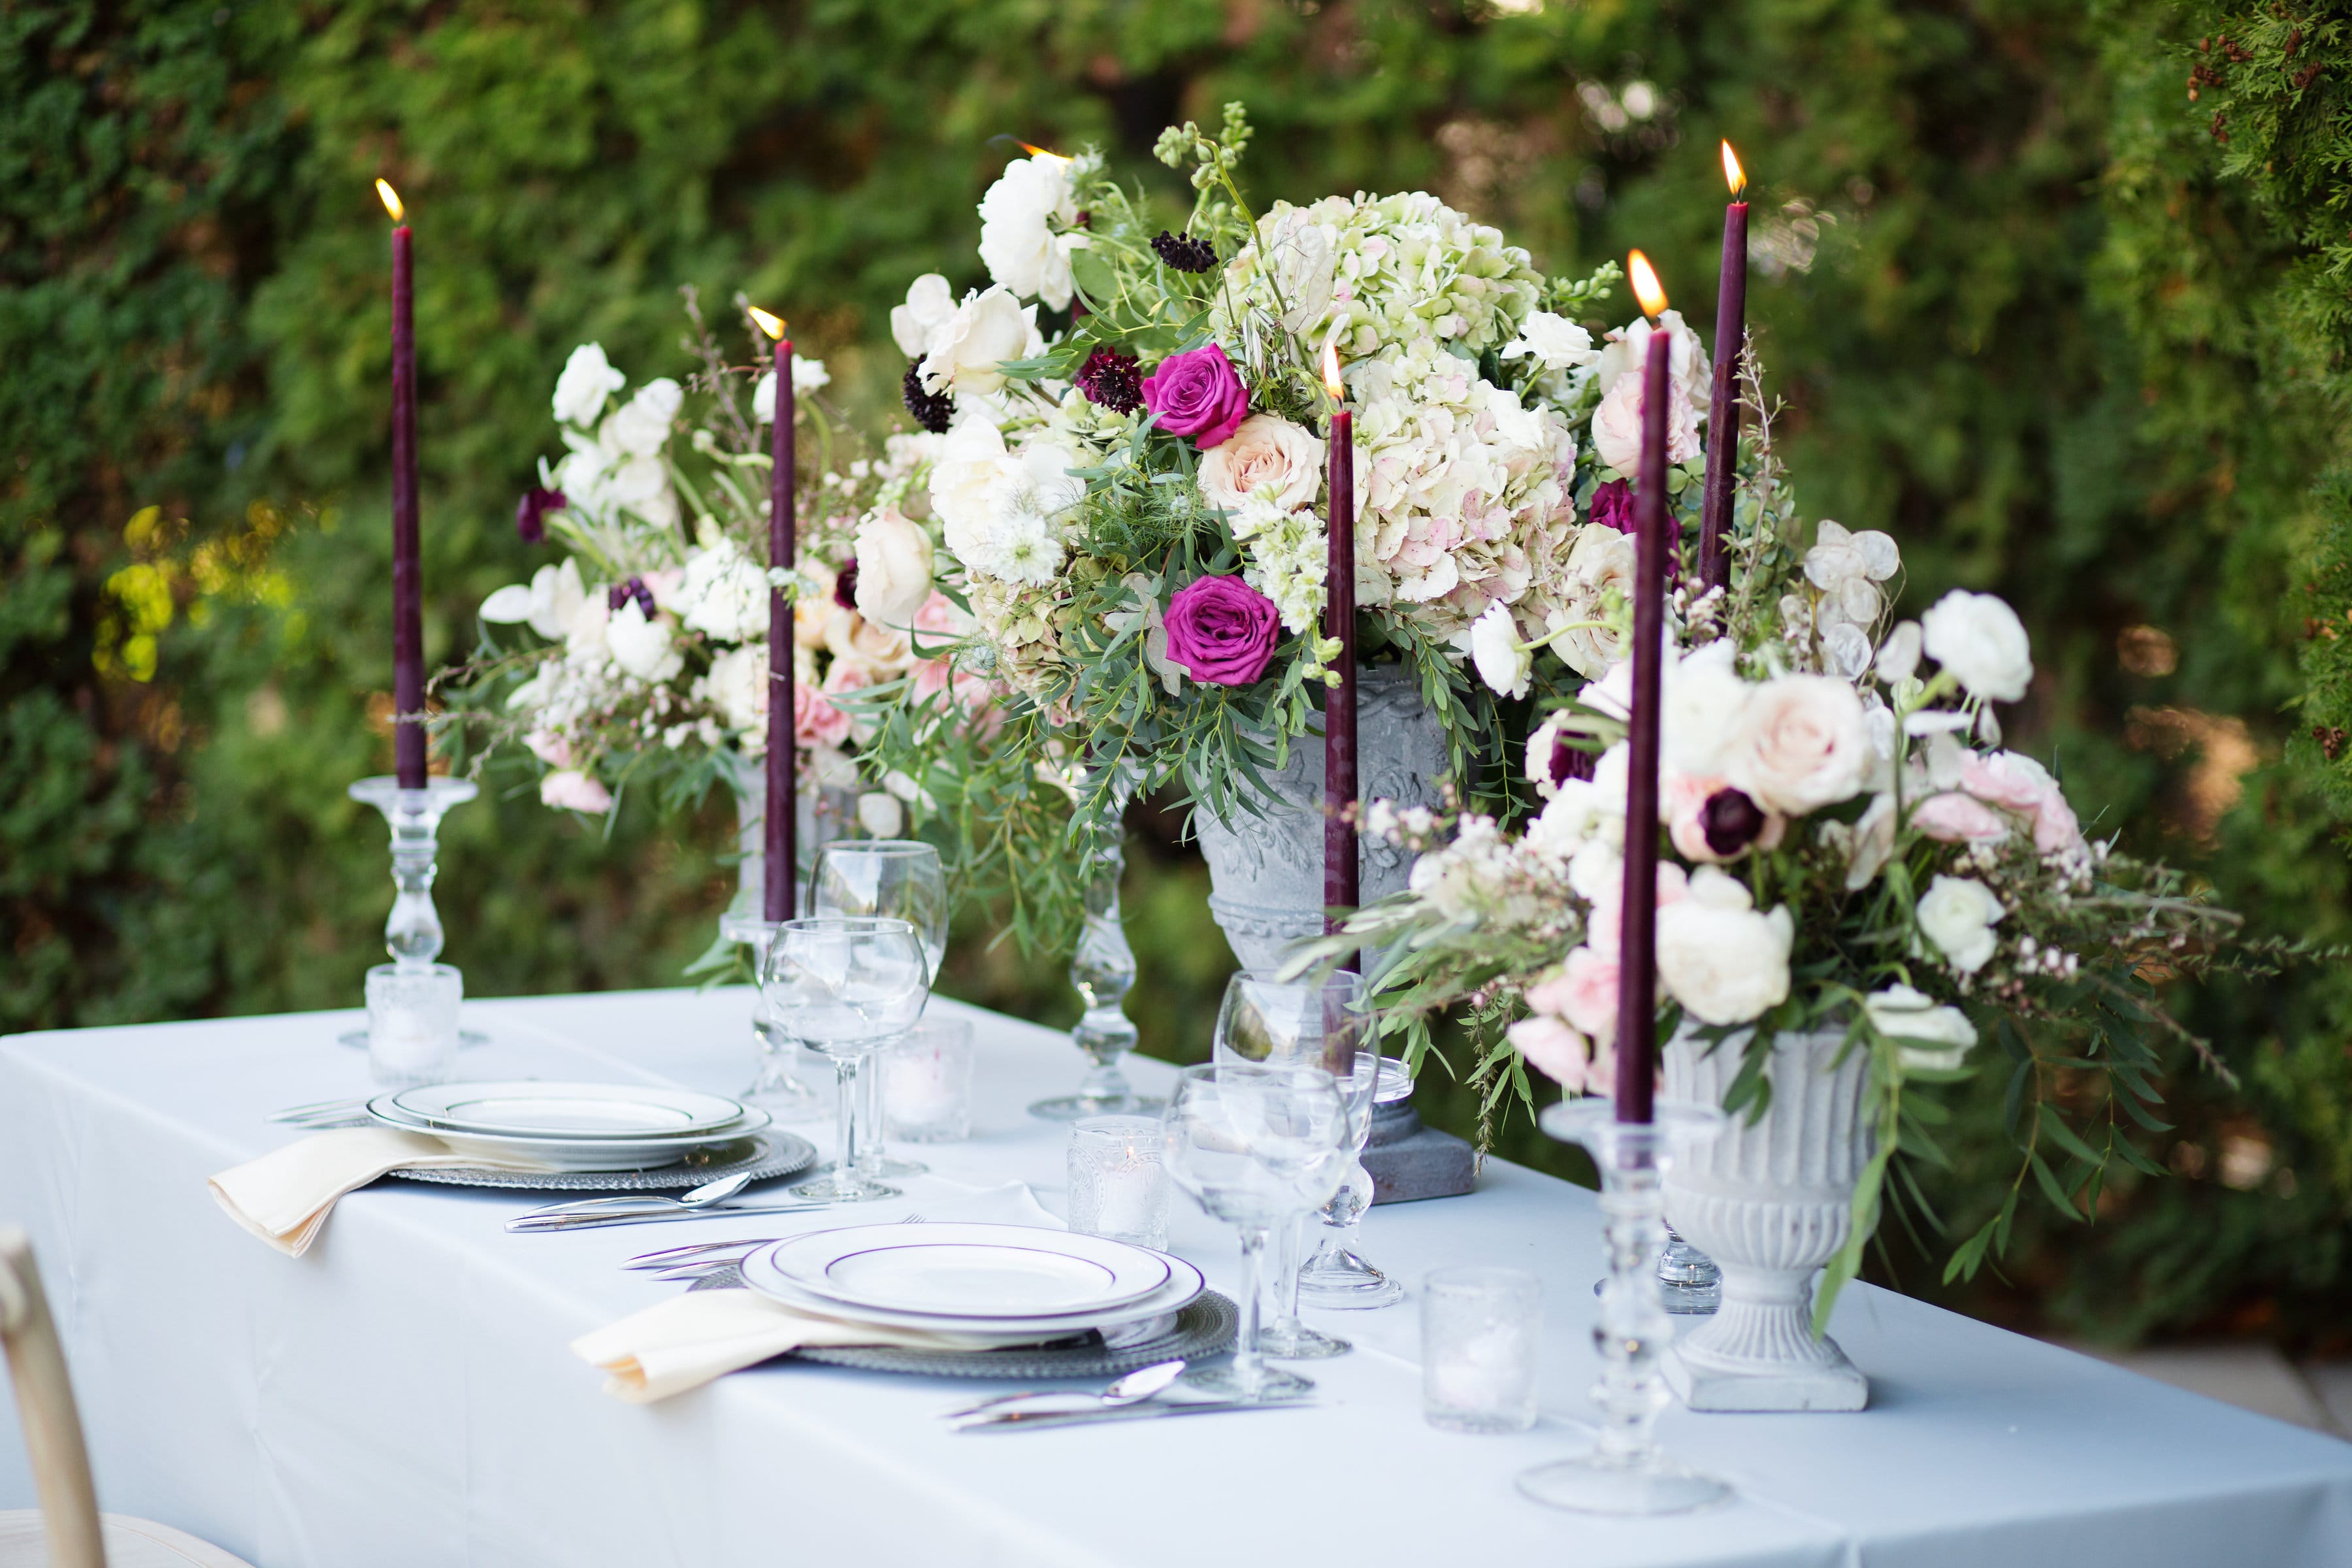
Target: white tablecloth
(401,1395)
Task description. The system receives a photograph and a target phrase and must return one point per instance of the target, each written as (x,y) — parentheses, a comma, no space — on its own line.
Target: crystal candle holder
(412,933)
(1624,1473)
(774,1088)
(412,1034)
(1480,1332)
(926,1083)
(1119,1180)
(1102,972)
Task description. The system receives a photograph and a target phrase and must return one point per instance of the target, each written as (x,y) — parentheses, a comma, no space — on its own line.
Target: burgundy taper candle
(1339,886)
(781,853)
(1723,407)
(1637,950)
(408,737)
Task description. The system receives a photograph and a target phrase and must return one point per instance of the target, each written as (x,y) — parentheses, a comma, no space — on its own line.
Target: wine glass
(1337,1276)
(1319,1024)
(894,878)
(845,988)
(1257,1146)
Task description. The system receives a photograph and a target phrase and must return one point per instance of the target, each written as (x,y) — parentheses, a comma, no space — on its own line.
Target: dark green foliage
(2052,332)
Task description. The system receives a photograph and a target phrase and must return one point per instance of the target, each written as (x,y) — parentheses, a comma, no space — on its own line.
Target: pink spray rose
(1222,631)
(1954,818)
(569,789)
(1197,394)
(2020,784)
(816,721)
(1553,1049)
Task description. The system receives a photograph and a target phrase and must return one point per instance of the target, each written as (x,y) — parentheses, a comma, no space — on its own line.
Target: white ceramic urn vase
(1771,1201)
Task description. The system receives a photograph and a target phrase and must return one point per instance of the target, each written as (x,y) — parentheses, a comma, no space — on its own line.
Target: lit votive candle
(1479,1332)
(926,1083)
(1118,1188)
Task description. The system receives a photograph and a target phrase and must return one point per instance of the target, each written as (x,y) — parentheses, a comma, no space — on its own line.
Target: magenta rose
(1222,631)
(1197,394)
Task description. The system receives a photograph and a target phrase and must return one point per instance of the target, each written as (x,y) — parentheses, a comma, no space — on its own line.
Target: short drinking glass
(1479,1332)
(1119,1181)
(413,1023)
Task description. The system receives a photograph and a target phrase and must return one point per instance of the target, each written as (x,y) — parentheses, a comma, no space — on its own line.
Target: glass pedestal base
(1077,1107)
(1296,1341)
(1593,1484)
(1273,1384)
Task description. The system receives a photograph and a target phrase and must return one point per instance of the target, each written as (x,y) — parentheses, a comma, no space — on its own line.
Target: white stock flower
(1980,640)
(1939,1037)
(640,647)
(894,567)
(1288,558)
(1503,661)
(1265,458)
(1017,220)
(931,305)
(808,375)
(1957,914)
(1723,961)
(724,595)
(640,427)
(985,330)
(588,379)
(1554,342)
(1802,743)
(737,686)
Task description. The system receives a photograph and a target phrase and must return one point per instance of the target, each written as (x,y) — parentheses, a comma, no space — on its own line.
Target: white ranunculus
(1267,458)
(641,425)
(1957,914)
(556,595)
(1019,217)
(724,595)
(1704,700)
(1555,342)
(588,379)
(1723,961)
(1503,661)
(808,375)
(879,812)
(893,568)
(1802,743)
(641,646)
(1687,362)
(931,305)
(1617,426)
(1934,1036)
(986,329)
(737,686)
(1980,640)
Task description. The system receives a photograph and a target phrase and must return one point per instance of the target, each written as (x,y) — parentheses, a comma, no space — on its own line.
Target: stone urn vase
(1266,862)
(1771,1201)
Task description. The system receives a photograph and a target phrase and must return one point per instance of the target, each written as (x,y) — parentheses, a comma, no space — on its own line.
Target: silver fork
(324,1113)
(710,1273)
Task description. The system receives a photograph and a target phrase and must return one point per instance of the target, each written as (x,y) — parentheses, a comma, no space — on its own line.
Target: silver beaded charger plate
(1204,1327)
(760,1156)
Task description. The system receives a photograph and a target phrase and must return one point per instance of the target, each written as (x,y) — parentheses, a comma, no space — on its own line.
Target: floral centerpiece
(1134,505)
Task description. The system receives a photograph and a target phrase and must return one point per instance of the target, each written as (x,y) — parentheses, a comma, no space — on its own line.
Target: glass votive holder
(926,1083)
(1119,1186)
(1479,1330)
(413,1023)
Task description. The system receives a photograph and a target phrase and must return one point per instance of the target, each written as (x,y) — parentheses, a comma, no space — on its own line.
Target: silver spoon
(1136,1387)
(710,1193)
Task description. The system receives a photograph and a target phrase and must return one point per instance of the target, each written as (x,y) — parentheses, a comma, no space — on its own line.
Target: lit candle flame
(1038,152)
(1646,287)
(1331,381)
(1733,173)
(391,199)
(771,325)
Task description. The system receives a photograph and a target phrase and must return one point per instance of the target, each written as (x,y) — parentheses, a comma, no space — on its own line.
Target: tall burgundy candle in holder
(1339,868)
(781,852)
(1637,961)
(408,582)
(1723,407)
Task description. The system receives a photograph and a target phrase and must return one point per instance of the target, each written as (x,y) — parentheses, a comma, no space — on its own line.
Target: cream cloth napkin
(285,1196)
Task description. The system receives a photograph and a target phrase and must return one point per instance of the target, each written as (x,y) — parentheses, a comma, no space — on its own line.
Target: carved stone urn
(1266,866)
(1771,1202)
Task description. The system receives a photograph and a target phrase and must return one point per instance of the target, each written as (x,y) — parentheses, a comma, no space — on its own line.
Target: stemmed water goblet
(1257,1146)
(1337,1276)
(1307,1023)
(845,988)
(892,878)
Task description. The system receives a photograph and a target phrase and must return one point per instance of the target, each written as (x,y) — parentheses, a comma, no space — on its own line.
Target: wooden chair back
(36,1364)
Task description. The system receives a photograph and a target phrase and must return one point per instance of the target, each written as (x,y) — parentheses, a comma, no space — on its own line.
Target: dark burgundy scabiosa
(1731,821)
(634,588)
(1613,506)
(1184,253)
(1570,763)
(531,512)
(933,410)
(1112,379)
(845,585)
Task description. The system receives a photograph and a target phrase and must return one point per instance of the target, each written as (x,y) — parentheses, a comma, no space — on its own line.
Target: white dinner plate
(970,1270)
(531,1110)
(575,1153)
(1184,1283)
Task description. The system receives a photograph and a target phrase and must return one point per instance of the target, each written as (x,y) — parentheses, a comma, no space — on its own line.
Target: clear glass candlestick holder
(1624,1473)
(774,1088)
(1103,971)
(412,934)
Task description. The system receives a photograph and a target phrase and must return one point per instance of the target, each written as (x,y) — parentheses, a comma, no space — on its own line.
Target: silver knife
(1031,1419)
(596,1222)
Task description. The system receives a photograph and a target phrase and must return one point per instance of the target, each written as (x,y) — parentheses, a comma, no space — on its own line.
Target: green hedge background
(2053,291)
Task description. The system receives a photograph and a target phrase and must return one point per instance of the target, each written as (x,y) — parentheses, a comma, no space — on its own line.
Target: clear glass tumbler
(1480,1330)
(413,1023)
(1119,1180)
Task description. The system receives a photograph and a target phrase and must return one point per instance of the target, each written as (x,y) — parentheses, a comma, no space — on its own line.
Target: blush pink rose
(1222,631)
(2020,784)
(550,748)
(1604,927)
(2054,826)
(1956,819)
(1197,394)
(571,790)
(1553,1049)
(816,721)
(1590,984)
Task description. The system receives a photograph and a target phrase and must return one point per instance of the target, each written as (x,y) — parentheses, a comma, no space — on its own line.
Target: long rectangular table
(403,1396)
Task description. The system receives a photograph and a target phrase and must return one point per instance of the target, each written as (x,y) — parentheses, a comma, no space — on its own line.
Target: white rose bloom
(1943,1035)
(1725,963)
(1017,238)
(1980,640)
(1687,362)
(1555,342)
(640,647)
(641,425)
(1617,426)
(1802,743)
(986,329)
(808,375)
(724,595)
(1597,870)
(893,568)
(588,379)
(1600,559)
(1267,458)
(931,305)
(1957,914)
(1503,661)
(737,686)
(1704,700)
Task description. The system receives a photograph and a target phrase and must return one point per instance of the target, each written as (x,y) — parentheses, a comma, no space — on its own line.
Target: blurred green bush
(2022,316)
